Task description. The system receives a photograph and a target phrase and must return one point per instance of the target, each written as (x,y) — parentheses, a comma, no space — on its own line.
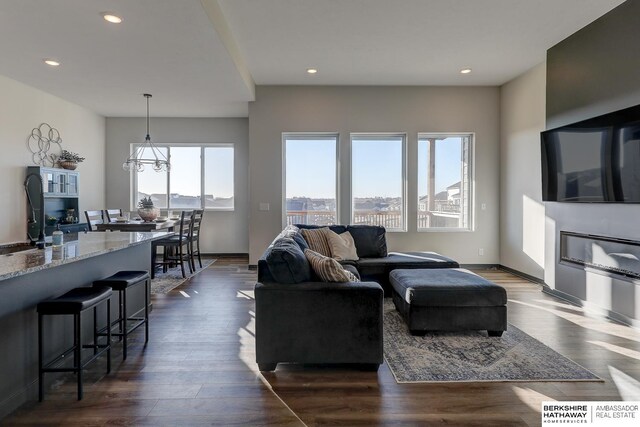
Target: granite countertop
(76,247)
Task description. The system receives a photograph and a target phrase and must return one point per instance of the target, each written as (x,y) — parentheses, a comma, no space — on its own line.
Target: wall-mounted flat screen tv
(595,160)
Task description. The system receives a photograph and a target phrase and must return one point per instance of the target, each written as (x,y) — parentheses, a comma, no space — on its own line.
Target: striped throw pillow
(328,269)
(317,240)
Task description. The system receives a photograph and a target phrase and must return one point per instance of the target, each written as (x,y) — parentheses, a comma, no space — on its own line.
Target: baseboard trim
(591,308)
(480,266)
(225,254)
(518,273)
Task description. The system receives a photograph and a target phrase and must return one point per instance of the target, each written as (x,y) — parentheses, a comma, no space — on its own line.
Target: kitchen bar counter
(28,277)
(76,247)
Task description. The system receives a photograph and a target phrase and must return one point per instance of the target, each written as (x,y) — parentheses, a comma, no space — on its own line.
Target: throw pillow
(343,248)
(287,263)
(328,269)
(300,241)
(370,240)
(317,240)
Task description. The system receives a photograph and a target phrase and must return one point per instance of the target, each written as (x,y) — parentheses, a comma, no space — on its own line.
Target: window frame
(309,136)
(134,180)
(381,136)
(471,178)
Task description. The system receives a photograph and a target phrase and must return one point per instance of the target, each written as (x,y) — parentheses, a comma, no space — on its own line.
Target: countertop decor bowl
(148,214)
(68,164)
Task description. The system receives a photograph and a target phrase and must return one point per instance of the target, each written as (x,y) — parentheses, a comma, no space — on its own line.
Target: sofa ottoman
(451,299)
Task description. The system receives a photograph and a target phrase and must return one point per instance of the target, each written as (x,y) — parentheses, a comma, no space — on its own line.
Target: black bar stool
(121,281)
(74,302)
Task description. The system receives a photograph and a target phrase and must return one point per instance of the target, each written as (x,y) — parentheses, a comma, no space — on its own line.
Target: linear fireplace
(601,253)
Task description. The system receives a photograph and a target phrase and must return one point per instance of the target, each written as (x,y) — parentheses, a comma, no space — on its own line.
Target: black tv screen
(596,160)
(625,164)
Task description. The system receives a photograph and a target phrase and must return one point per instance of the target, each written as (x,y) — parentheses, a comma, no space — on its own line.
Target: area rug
(472,356)
(163,283)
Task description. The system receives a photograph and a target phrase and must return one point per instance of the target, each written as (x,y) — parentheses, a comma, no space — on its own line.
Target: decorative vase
(148,214)
(68,164)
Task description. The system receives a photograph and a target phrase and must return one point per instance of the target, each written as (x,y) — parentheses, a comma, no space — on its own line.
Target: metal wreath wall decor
(41,142)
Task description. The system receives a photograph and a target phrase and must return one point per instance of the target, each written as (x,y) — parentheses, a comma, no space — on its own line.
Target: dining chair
(112,214)
(194,237)
(93,218)
(173,248)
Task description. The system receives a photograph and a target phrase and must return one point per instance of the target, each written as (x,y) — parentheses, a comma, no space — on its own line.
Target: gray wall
(594,71)
(223,232)
(522,118)
(23,108)
(346,109)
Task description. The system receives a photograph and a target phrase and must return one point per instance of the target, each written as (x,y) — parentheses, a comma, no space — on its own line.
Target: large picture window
(310,178)
(444,181)
(201,176)
(378,180)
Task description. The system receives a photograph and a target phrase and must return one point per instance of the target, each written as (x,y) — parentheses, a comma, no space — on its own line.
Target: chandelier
(136,161)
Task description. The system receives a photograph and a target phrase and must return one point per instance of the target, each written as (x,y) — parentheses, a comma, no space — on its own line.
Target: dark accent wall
(593,72)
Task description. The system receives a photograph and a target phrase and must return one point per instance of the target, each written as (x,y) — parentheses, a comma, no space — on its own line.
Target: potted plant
(69,160)
(146,210)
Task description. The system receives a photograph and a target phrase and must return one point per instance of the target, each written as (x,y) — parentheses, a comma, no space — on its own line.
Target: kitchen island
(30,276)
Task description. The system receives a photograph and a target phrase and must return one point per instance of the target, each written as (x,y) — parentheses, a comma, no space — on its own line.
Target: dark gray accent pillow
(287,263)
(297,237)
(370,240)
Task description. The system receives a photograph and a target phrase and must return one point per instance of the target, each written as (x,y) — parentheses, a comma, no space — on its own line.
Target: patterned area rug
(472,356)
(163,283)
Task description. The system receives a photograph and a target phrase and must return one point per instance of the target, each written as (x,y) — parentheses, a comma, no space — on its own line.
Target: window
(444,181)
(218,177)
(151,183)
(310,179)
(377,180)
(201,176)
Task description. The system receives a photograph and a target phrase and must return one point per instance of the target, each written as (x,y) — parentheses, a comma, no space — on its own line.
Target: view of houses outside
(443,170)
(185,178)
(377,181)
(311,179)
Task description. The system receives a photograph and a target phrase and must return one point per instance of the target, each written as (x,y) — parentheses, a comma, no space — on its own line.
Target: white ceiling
(199,64)
(168,48)
(402,42)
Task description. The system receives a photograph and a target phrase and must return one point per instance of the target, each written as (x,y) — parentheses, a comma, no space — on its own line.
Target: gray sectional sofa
(300,319)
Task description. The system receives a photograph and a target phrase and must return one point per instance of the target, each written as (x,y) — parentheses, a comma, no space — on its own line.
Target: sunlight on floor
(246,352)
(617,349)
(531,398)
(594,324)
(563,305)
(245,294)
(628,387)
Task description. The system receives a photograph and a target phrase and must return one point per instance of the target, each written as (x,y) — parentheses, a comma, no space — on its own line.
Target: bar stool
(121,281)
(74,302)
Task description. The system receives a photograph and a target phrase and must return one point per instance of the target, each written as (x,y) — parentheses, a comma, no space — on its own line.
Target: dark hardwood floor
(199,369)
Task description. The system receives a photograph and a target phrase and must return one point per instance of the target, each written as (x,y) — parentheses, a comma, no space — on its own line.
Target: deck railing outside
(388,219)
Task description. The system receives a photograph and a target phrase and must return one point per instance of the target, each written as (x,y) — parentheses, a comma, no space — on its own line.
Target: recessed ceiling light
(465,71)
(110,17)
(312,70)
(51,62)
